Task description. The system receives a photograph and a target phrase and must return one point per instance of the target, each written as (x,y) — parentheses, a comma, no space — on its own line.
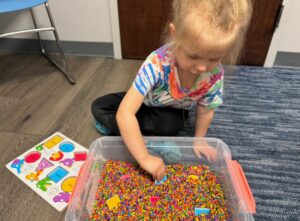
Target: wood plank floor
(36,100)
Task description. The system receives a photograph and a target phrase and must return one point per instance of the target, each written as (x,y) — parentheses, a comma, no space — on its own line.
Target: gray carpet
(260,122)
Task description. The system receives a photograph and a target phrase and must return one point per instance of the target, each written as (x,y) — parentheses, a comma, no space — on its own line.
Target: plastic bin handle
(242,183)
(79,182)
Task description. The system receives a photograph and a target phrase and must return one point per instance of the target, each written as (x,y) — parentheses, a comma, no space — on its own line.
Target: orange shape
(193,177)
(56,139)
(68,184)
(49,144)
(113,202)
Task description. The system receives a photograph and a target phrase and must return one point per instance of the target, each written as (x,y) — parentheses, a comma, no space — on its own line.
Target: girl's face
(192,60)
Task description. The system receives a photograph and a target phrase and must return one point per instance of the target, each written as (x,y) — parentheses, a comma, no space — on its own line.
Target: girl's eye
(215,60)
(193,56)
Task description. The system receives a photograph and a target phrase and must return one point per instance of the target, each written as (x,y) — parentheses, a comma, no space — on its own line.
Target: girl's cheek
(185,63)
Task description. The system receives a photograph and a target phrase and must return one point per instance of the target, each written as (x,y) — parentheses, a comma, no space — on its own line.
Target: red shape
(125,177)
(32,157)
(154,199)
(80,156)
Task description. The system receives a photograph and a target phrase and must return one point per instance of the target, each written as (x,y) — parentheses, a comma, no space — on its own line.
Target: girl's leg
(158,121)
(161,121)
(104,110)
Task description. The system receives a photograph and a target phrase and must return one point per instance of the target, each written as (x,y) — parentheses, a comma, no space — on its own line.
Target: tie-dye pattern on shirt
(157,81)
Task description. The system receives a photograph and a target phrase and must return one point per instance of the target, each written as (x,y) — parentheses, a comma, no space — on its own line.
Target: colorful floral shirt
(158,81)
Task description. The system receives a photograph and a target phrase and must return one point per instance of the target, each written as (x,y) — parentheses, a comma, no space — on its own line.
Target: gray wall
(82,25)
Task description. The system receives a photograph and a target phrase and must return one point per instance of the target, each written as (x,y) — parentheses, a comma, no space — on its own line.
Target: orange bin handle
(79,183)
(242,183)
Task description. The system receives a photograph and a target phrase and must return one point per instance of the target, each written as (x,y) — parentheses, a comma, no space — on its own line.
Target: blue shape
(199,211)
(58,174)
(17,165)
(66,147)
(158,182)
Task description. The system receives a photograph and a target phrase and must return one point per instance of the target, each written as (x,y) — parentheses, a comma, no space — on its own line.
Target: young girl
(184,73)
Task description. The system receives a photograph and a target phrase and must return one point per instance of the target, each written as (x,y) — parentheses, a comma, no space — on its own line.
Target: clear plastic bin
(173,150)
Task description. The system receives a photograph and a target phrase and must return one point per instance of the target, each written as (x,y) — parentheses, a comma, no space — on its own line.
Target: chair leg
(65,70)
(37,33)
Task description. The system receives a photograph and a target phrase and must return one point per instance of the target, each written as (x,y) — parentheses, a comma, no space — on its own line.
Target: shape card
(50,168)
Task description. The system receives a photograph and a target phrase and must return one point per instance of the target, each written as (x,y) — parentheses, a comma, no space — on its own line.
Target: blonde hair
(217,22)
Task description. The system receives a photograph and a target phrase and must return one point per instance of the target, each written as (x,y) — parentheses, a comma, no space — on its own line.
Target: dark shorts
(154,121)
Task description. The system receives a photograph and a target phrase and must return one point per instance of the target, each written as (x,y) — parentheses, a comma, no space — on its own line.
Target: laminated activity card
(50,168)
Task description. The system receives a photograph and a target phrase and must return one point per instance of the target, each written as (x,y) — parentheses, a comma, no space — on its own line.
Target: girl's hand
(155,166)
(203,149)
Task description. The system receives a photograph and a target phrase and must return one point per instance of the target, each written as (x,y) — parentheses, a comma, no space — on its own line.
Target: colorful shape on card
(49,144)
(44,163)
(57,156)
(113,202)
(80,156)
(56,139)
(17,164)
(58,174)
(32,157)
(66,147)
(33,176)
(61,197)
(44,183)
(39,148)
(68,184)
(53,141)
(67,162)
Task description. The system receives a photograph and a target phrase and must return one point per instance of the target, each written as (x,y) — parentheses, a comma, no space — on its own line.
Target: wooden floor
(36,100)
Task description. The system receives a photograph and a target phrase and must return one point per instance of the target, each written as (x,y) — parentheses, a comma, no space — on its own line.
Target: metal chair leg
(65,70)
(37,33)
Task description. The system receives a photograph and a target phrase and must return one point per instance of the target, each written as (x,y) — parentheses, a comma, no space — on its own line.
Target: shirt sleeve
(148,75)
(214,96)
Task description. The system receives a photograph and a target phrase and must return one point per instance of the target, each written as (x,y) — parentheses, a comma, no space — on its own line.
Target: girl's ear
(172,30)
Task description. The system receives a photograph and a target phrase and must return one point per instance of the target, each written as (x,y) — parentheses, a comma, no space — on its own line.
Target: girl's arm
(204,118)
(132,136)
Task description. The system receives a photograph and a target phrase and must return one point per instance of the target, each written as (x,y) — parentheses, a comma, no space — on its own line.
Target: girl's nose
(202,68)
